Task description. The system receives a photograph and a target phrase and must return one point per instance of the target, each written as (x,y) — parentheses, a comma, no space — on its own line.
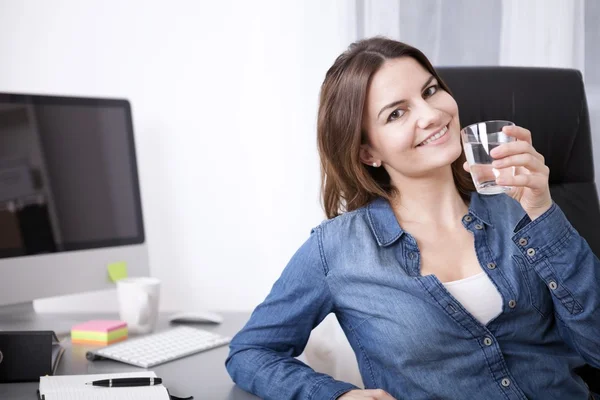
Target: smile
(434,138)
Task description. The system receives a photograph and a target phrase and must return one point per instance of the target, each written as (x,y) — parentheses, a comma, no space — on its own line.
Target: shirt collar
(387,230)
(383,222)
(479,209)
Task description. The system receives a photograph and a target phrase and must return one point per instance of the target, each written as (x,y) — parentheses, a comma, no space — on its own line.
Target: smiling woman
(404,107)
(431,282)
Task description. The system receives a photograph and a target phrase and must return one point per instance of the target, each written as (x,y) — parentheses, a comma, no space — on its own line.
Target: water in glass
(480,163)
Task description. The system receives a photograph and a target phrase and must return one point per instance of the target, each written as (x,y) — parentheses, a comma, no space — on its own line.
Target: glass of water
(478,140)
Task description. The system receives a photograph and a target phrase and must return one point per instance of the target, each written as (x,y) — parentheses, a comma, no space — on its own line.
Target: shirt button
(411,255)
(468,218)
(505,382)
(487,341)
(552,285)
(491,265)
(523,242)
(512,304)
(530,252)
(478,226)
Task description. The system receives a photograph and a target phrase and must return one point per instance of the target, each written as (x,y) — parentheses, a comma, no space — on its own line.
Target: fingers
(379,394)
(519,154)
(527,160)
(466,166)
(508,149)
(369,394)
(518,132)
(531,181)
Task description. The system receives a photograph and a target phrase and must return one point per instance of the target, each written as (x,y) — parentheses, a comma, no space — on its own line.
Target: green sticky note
(117,270)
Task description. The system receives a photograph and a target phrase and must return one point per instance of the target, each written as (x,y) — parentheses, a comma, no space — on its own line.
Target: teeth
(435,137)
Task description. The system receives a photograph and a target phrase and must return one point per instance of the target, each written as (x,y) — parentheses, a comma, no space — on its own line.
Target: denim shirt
(410,336)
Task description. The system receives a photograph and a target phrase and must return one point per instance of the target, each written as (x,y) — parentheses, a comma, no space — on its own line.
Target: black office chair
(551,103)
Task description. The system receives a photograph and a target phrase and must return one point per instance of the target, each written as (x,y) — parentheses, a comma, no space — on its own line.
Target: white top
(478,295)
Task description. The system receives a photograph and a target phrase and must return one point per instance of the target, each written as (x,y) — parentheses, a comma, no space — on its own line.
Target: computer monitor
(69,196)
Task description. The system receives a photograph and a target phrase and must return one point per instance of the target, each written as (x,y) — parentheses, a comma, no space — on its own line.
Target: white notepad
(73,387)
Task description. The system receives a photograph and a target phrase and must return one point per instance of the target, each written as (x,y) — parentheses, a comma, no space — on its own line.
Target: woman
(443,293)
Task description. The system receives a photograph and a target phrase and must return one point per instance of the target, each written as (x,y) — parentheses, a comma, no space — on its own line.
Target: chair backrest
(551,103)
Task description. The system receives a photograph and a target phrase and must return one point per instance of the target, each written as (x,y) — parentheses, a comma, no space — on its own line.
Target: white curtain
(492,32)
(543,33)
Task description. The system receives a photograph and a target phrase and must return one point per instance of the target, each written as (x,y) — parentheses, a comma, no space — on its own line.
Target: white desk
(202,375)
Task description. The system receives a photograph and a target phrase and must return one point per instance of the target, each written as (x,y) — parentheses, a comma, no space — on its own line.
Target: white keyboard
(161,347)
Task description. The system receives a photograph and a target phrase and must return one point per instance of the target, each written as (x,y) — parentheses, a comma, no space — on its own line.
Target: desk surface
(202,375)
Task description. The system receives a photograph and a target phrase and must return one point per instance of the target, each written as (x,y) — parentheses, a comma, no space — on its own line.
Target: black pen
(125,382)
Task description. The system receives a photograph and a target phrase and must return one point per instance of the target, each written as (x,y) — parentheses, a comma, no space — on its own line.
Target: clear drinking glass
(478,140)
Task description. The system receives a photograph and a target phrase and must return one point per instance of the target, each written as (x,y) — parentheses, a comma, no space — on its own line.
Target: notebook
(73,387)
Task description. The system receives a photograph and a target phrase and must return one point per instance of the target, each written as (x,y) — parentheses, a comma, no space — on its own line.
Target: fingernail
(496,173)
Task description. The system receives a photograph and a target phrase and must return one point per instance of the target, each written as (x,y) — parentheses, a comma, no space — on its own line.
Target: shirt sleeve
(262,355)
(571,272)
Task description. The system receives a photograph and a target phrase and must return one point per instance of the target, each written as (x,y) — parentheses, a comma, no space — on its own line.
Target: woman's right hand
(370,394)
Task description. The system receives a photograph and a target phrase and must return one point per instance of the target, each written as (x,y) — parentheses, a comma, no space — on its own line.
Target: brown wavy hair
(346,183)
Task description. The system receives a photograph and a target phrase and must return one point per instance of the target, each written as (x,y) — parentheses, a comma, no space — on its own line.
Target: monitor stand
(23,317)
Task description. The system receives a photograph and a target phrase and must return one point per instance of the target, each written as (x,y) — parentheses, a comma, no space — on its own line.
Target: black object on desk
(126,382)
(27,355)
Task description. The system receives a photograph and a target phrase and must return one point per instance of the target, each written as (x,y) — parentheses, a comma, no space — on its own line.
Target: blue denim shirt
(410,336)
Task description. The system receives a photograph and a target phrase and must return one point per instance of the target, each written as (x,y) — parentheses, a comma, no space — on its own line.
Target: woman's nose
(428,116)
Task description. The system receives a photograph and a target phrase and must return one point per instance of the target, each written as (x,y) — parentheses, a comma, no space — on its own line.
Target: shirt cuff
(543,236)
(331,389)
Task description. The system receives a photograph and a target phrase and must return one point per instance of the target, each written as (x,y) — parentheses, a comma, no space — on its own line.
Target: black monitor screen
(68,175)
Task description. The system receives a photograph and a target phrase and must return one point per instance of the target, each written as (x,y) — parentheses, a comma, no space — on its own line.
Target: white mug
(138,303)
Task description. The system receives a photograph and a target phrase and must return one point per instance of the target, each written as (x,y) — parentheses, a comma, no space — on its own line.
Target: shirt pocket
(539,296)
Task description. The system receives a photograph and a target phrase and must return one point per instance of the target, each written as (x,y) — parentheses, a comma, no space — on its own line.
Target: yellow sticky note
(117,270)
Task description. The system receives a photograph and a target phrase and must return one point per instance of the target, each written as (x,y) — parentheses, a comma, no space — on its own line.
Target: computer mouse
(195,317)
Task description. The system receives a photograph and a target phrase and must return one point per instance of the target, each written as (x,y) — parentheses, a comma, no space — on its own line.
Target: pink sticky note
(99,326)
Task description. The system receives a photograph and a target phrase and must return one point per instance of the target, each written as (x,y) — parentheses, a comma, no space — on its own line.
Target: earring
(375,165)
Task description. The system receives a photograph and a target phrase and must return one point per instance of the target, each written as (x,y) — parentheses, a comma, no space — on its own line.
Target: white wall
(224,95)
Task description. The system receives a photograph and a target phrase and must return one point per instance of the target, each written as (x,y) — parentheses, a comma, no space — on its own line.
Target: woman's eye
(395,115)
(431,90)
